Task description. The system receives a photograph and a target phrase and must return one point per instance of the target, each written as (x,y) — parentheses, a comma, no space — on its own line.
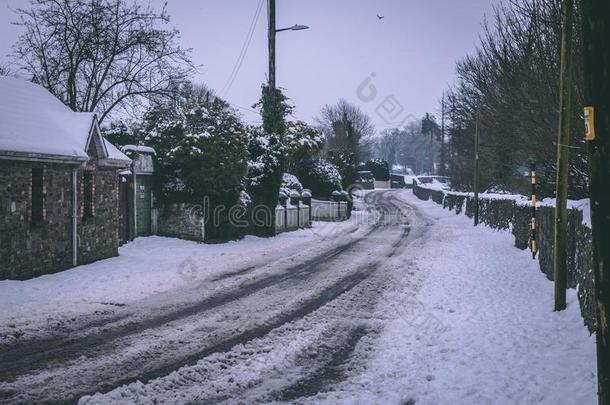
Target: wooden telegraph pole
(563,141)
(596,50)
(271,39)
(442,170)
(476,166)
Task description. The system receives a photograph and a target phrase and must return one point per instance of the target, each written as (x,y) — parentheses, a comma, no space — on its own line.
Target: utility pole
(476,167)
(271,116)
(442,168)
(596,50)
(271,35)
(563,141)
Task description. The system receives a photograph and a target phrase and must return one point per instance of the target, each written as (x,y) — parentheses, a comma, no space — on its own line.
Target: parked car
(397,180)
(366,180)
(436,182)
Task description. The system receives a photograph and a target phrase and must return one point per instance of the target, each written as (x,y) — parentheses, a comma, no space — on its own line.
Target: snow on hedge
(290,183)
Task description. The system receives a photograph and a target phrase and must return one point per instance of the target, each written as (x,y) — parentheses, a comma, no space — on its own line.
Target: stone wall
(30,249)
(181,220)
(27,249)
(515,216)
(98,236)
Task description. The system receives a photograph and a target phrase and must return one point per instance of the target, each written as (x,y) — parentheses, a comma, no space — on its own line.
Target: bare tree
(346,128)
(6,70)
(512,77)
(408,146)
(387,146)
(97,55)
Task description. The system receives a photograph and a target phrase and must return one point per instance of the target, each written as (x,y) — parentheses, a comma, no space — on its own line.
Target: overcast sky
(392,68)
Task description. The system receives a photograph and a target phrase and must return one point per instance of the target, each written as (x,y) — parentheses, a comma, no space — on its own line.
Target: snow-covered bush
(264,176)
(320,176)
(290,182)
(244,199)
(379,168)
(345,162)
(302,142)
(201,154)
(266,152)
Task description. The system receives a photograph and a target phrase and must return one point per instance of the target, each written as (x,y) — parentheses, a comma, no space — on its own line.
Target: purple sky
(412,51)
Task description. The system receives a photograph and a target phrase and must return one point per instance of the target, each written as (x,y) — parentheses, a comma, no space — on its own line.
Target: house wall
(98,236)
(28,250)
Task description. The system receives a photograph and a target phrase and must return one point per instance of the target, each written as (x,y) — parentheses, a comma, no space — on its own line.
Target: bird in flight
(381,17)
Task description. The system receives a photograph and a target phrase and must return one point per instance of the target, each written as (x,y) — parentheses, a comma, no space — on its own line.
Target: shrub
(320,176)
(264,176)
(201,154)
(302,142)
(379,168)
(290,182)
(345,162)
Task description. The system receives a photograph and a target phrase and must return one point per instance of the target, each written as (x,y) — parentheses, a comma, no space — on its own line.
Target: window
(38,213)
(89,193)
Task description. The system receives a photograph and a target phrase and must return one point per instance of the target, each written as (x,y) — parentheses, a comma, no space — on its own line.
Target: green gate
(143,205)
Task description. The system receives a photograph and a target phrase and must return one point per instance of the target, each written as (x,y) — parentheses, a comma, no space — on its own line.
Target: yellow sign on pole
(589,123)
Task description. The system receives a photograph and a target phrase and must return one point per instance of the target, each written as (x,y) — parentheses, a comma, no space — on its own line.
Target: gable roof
(34,124)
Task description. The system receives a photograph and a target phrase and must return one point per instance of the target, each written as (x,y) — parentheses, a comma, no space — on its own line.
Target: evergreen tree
(202,157)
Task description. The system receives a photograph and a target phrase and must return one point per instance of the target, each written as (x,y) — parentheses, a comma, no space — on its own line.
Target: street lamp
(271,32)
(295,27)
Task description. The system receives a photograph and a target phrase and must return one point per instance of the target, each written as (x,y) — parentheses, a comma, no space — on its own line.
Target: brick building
(59,184)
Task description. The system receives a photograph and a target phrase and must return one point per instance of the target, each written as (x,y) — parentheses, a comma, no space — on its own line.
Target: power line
(244,108)
(244,50)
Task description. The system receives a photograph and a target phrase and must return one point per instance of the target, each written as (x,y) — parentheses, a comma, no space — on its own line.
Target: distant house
(59,184)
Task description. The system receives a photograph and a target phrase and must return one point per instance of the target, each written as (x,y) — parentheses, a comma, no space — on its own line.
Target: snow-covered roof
(138,148)
(35,124)
(114,154)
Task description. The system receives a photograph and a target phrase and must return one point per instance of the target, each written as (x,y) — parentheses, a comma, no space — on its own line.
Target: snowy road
(285,327)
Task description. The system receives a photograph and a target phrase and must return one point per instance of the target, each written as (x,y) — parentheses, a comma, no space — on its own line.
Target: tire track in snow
(27,357)
(328,372)
(71,350)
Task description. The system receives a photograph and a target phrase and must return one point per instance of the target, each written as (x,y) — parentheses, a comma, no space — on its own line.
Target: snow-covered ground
(480,330)
(146,267)
(425,309)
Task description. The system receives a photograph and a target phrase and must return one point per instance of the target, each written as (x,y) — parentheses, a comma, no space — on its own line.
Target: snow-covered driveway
(404,304)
